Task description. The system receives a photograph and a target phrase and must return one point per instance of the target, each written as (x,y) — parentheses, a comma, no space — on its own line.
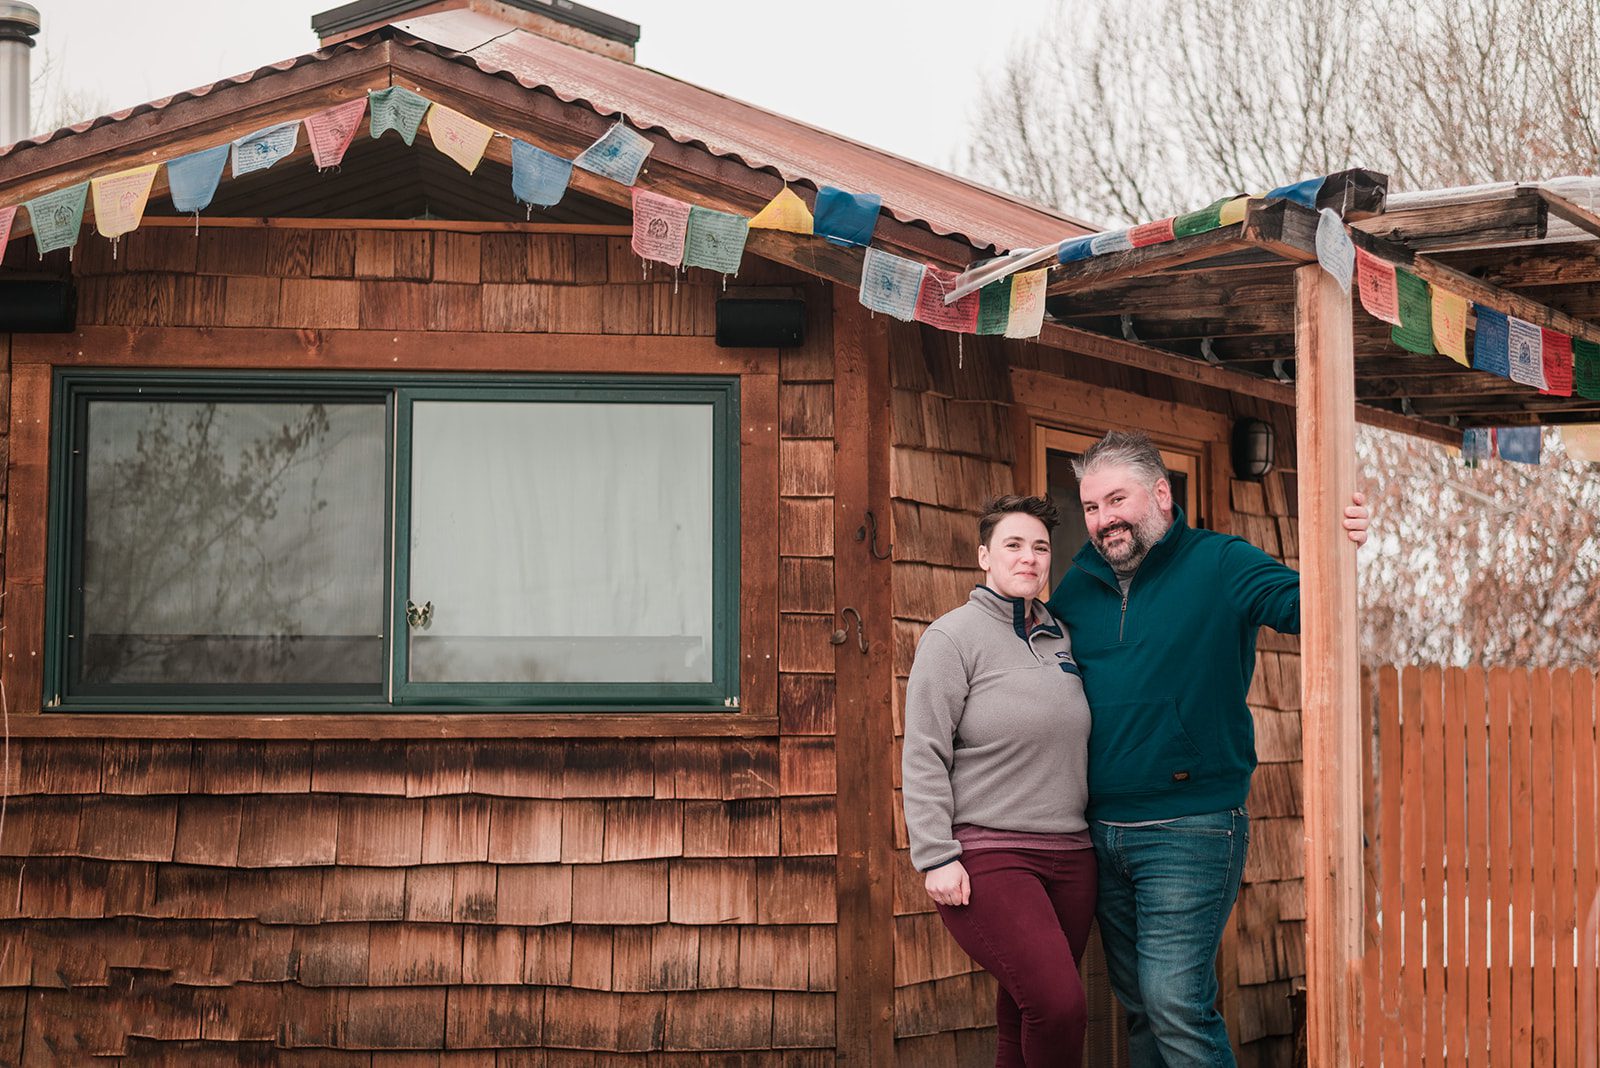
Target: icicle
(113,250)
(197,224)
(674,281)
(960,356)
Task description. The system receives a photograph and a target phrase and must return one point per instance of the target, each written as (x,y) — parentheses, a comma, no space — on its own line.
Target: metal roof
(912,193)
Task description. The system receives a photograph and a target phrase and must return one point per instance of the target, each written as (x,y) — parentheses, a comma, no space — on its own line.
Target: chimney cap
(18,21)
(350,16)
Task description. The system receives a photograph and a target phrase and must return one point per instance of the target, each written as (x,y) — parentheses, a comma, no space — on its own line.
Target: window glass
(561,542)
(230,544)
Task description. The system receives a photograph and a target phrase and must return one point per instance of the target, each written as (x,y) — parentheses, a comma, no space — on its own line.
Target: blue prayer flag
(1111,241)
(538,177)
(193,178)
(1079,248)
(1300,192)
(1519,444)
(1491,342)
(1476,444)
(260,150)
(846,218)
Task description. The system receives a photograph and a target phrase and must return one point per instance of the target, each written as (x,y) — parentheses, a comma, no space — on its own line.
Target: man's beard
(1127,555)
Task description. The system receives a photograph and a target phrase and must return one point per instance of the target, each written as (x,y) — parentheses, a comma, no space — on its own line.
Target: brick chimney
(560,20)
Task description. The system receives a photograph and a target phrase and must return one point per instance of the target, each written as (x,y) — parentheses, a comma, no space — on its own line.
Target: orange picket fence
(1482,912)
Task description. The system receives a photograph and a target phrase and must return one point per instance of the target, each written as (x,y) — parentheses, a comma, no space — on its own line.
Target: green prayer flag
(715,240)
(397,108)
(57,216)
(994,307)
(1198,222)
(1586,368)
(1415,332)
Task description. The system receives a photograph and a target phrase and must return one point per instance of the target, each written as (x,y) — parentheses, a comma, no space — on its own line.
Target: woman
(995,773)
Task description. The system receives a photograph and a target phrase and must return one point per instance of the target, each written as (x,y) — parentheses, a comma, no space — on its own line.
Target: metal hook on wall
(861,535)
(842,634)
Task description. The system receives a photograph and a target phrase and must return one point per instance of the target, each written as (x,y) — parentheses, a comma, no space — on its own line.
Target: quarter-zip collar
(1013,611)
(1089,560)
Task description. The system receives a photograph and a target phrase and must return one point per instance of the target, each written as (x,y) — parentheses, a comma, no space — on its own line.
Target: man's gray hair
(1123,448)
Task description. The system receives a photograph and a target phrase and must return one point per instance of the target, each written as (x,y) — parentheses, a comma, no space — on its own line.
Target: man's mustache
(1107,531)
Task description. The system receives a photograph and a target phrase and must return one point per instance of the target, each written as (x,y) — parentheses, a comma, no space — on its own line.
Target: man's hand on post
(1357,518)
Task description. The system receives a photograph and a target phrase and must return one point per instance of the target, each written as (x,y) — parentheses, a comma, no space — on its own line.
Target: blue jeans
(1165,894)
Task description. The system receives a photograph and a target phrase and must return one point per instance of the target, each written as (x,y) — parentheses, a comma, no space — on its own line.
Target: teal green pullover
(1166,669)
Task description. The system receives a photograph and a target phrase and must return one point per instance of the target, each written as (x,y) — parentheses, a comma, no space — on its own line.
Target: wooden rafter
(1515,215)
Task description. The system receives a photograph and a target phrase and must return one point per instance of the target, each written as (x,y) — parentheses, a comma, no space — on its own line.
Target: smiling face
(1016,561)
(1125,514)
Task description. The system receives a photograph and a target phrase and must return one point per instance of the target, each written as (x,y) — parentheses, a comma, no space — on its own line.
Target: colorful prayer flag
(786,212)
(1233,211)
(6,217)
(1477,444)
(397,108)
(1525,346)
(1582,442)
(1490,341)
(846,218)
(619,155)
(660,225)
(461,137)
(1586,368)
(1153,233)
(1450,325)
(1415,332)
(962,316)
(1335,251)
(260,150)
(331,130)
(715,240)
(1557,362)
(1519,444)
(1198,222)
(890,284)
(119,199)
(57,217)
(1302,192)
(1111,241)
(1379,291)
(193,179)
(994,306)
(1027,304)
(1078,248)
(538,177)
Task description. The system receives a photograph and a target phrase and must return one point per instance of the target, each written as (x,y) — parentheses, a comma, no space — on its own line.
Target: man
(1163,622)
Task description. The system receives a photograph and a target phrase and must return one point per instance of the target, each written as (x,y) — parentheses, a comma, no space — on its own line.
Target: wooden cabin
(287,780)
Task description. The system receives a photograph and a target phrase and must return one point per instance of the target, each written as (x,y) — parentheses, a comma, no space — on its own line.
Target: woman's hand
(948,884)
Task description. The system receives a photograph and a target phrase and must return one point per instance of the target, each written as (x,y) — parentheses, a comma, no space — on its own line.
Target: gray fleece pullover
(997,727)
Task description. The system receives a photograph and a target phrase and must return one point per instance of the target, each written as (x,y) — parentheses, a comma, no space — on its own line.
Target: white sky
(901,75)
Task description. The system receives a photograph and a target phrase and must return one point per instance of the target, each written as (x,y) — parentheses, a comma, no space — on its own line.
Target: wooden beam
(864,1007)
(1574,213)
(1514,215)
(459,226)
(1098,270)
(1282,228)
(506,724)
(1330,671)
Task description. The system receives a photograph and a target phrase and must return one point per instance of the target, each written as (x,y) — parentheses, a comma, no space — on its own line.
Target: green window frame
(399,395)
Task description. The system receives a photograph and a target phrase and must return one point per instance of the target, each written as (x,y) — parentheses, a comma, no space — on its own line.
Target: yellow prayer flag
(1027,304)
(461,138)
(784,212)
(1233,211)
(1582,442)
(119,199)
(1450,325)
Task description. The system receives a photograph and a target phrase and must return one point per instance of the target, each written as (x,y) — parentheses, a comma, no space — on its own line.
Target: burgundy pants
(1027,924)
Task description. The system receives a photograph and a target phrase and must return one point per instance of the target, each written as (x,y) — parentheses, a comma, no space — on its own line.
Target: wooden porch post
(1330,667)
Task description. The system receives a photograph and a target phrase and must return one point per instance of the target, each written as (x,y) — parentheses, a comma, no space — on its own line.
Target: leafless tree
(1131,111)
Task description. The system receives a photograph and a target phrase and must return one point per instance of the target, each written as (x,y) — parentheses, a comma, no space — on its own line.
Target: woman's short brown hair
(1041,508)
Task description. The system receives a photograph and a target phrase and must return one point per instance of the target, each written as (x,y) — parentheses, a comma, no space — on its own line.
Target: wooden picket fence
(1482,914)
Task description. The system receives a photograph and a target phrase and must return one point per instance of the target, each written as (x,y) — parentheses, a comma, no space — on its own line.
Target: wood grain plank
(1586,751)
(1501,846)
(1431,858)
(1563,858)
(1520,857)
(1480,922)
(1413,836)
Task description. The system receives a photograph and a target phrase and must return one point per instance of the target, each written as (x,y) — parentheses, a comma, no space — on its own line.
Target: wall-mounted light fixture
(1253,442)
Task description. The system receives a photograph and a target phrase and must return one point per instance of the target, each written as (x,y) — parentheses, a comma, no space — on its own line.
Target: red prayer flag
(1151,233)
(6,217)
(1380,293)
(1557,363)
(331,130)
(962,316)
